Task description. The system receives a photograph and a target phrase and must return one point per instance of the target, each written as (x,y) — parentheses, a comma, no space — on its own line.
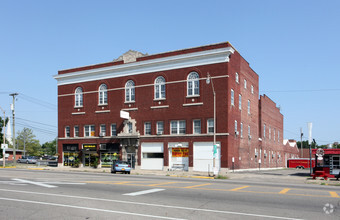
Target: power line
(37,122)
(38,102)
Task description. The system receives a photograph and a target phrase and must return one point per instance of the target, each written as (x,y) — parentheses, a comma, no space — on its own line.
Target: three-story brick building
(157,112)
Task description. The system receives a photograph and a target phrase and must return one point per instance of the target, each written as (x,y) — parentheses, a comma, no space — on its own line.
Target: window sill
(78,106)
(193,104)
(102,104)
(160,99)
(192,96)
(129,102)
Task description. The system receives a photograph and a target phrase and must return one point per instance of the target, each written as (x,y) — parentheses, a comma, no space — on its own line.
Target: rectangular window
(210,126)
(130,127)
(197,126)
(147,128)
(239,101)
(245,84)
(252,89)
(89,131)
(67,131)
(160,127)
(248,106)
(249,131)
(264,131)
(232,97)
(241,129)
(235,126)
(76,131)
(177,127)
(113,130)
(102,130)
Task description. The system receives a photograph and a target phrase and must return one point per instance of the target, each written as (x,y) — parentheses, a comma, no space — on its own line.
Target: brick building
(157,112)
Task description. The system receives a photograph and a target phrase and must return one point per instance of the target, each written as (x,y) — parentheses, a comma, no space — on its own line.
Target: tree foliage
(49,148)
(26,139)
(2,131)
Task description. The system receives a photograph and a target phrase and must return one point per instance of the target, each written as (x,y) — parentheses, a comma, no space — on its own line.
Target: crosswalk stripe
(143,192)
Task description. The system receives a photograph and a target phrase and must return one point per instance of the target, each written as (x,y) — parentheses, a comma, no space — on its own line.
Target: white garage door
(152,156)
(203,156)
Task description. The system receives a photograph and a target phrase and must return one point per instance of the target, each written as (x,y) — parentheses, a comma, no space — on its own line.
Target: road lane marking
(334,194)
(150,204)
(239,188)
(162,184)
(195,186)
(143,192)
(88,208)
(284,191)
(35,183)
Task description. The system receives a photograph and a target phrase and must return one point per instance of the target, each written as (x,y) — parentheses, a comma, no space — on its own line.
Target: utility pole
(13,115)
(301,143)
(4,150)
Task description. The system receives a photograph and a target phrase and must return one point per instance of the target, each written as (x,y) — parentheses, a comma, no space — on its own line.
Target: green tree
(49,148)
(26,141)
(2,129)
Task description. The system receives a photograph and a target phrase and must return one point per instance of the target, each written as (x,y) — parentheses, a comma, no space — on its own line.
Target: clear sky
(293,45)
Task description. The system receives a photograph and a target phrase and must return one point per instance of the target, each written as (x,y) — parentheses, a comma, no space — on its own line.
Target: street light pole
(13,115)
(214,93)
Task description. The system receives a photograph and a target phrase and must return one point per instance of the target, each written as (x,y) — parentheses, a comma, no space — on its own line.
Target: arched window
(102,94)
(78,97)
(130,91)
(193,85)
(160,88)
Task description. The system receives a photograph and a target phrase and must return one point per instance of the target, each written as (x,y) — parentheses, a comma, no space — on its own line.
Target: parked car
(121,166)
(27,159)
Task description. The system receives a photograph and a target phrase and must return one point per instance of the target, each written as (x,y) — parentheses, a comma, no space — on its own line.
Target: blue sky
(293,46)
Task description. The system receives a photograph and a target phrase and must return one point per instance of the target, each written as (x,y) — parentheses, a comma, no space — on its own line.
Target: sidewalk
(292,176)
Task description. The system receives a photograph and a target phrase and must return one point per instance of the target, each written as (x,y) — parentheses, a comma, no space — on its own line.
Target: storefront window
(106,159)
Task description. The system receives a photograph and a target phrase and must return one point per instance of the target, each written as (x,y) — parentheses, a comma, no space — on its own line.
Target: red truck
(300,163)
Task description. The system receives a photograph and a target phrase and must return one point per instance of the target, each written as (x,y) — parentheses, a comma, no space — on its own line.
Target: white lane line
(35,183)
(143,192)
(89,208)
(151,204)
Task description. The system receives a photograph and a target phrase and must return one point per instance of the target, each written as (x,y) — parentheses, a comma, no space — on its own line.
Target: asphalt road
(41,194)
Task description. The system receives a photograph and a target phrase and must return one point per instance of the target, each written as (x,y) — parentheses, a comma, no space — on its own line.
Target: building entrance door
(131,158)
(89,159)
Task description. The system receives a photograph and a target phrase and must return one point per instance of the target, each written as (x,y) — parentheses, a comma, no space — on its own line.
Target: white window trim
(78,98)
(248,106)
(232,97)
(101,95)
(67,134)
(90,130)
(158,88)
(245,83)
(192,81)
(157,127)
(193,126)
(145,124)
(112,129)
(74,131)
(237,78)
(101,129)
(239,101)
(210,119)
(178,127)
(131,90)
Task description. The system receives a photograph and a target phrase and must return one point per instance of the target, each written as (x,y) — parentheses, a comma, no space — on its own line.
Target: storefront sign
(180,152)
(90,147)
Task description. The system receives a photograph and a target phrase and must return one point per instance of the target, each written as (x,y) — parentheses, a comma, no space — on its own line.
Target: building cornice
(206,57)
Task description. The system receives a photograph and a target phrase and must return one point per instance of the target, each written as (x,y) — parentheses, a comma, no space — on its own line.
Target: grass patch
(221,177)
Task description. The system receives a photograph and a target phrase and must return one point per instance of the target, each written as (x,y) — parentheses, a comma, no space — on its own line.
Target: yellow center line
(239,188)
(284,191)
(334,194)
(189,187)
(161,184)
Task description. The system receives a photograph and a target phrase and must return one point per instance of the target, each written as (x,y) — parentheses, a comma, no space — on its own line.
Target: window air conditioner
(236,133)
(102,134)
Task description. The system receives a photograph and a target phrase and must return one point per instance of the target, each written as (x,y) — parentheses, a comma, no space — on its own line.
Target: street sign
(4,146)
(124,114)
